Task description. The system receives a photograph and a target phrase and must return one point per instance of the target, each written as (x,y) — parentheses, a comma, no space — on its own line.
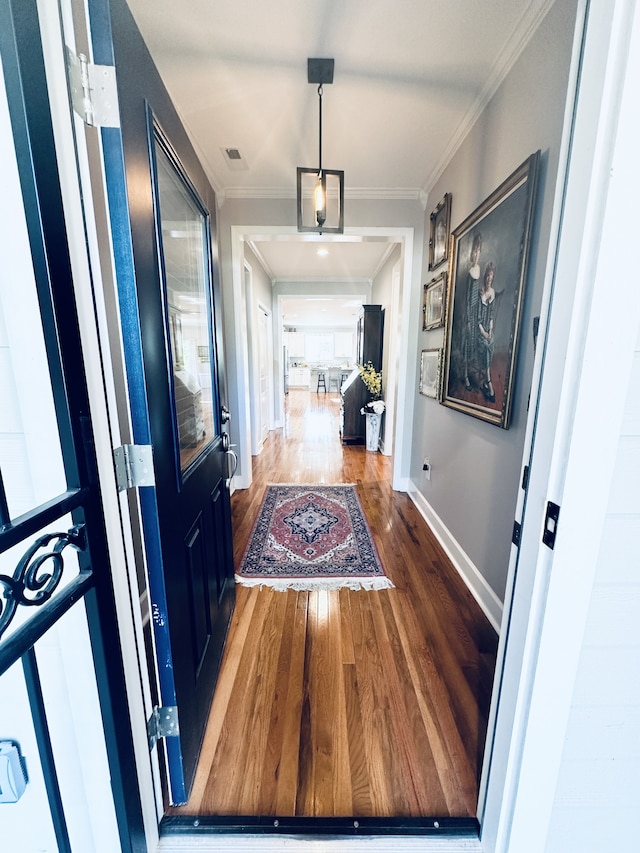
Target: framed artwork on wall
(488,268)
(430,360)
(439,232)
(433,302)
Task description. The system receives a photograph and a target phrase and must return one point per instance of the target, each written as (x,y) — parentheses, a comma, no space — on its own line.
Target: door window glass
(185,253)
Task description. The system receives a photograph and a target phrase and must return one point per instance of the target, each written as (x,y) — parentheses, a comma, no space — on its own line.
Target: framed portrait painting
(439,229)
(433,302)
(430,372)
(488,269)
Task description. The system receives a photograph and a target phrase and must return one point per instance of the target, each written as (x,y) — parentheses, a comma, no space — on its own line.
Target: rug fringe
(314,485)
(312,584)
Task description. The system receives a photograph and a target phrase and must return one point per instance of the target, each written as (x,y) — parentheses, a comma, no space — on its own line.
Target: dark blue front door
(163,221)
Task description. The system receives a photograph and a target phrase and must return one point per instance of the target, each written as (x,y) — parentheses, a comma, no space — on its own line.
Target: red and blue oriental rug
(311,537)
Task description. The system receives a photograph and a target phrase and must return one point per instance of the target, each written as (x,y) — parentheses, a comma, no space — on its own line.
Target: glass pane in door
(185,250)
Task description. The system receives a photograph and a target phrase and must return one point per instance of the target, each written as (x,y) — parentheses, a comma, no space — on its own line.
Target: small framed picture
(430,372)
(440,223)
(433,302)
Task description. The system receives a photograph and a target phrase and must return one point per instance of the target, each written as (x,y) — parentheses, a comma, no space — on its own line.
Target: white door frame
(393,361)
(409,308)
(253,393)
(271,367)
(596,221)
(86,241)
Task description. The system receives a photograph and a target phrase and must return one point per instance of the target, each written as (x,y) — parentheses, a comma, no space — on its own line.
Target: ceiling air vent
(234,159)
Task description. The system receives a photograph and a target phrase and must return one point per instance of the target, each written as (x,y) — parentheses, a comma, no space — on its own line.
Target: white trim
(280,843)
(253,392)
(609,224)
(243,477)
(84,257)
(545,634)
(470,574)
(514,45)
(265,266)
(362,193)
(383,260)
(404,418)
(270,361)
(354,281)
(393,361)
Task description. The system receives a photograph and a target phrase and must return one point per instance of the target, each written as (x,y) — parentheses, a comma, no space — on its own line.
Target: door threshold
(371,835)
(319,827)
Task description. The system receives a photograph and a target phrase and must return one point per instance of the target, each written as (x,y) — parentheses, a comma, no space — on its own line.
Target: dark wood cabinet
(354,392)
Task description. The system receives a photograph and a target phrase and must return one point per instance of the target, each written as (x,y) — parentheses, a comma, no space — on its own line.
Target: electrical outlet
(426,467)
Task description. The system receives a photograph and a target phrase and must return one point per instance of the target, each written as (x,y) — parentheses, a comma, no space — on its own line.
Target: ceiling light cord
(320,131)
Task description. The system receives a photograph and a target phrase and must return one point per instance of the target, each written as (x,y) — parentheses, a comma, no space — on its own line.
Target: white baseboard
(478,586)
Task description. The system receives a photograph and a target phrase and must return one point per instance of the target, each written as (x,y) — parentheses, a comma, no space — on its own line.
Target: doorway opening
(432,772)
(339,704)
(389,238)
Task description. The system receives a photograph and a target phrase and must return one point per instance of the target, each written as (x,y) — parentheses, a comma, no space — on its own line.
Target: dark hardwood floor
(342,703)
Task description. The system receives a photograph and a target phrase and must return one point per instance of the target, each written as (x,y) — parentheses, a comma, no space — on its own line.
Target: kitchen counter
(333,377)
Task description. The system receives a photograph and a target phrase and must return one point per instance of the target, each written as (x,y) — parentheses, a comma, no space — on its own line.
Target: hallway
(343,703)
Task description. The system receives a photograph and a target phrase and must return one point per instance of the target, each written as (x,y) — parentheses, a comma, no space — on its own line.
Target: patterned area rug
(312,537)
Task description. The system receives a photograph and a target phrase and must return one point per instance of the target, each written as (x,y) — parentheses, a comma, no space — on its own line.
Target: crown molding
(364,193)
(315,279)
(254,248)
(515,44)
(383,260)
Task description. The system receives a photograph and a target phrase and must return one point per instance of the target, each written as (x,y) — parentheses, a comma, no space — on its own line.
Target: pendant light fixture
(320,192)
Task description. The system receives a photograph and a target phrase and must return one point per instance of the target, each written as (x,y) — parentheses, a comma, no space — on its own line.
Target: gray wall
(321,288)
(476,466)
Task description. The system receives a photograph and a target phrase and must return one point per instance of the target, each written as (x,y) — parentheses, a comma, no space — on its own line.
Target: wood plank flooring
(342,703)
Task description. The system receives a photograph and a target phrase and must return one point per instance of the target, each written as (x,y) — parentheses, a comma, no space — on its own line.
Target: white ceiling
(318,259)
(321,311)
(410,78)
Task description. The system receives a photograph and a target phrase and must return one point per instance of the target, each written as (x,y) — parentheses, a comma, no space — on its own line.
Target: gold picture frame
(430,362)
(439,232)
(433,302)
(487,278)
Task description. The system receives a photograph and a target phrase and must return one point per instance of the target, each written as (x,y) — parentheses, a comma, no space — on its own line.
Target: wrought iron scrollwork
(36,578)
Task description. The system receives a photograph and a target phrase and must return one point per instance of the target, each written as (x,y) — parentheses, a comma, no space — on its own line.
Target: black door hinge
(525,477)
(517,530)
(551,525)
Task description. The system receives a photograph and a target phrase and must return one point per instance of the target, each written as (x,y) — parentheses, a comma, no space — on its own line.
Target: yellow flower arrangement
(373,382)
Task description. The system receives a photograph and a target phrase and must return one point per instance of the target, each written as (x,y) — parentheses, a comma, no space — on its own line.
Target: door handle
(225,415)
(226,441)
(233,465)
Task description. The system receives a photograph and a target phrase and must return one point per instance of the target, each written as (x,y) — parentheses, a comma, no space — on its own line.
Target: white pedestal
(373,430)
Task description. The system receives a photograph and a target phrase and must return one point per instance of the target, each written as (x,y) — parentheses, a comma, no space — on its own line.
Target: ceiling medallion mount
(320,192)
